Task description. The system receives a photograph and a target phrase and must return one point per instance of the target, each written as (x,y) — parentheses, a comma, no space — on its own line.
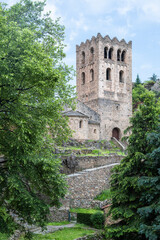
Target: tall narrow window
(105,52)
(91,54)
(83,57)
(80,124)
(118,55)
(110,53)
(83,78)
(121,76)
(92,74)
(108,74)
(123,56)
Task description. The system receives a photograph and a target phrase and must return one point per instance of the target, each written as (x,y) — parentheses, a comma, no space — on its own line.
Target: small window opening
(91,54)
(83,78)
(92,74)
(118,55)
(108,74)
(80,124)
(83,57)
(123,56)
(110,54)
(95,131)
(121,76)
(105,52)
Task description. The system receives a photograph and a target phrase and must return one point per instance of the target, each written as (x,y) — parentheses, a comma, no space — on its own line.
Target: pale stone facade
(104,84)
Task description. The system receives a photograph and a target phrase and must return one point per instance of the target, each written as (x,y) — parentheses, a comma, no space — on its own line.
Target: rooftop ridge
(105,38)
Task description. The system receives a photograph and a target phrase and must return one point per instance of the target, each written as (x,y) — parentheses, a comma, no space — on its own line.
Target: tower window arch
(80,124)
(92,74)
(91,54)
(83,78)
(118,55)
(108,74)
(110,53)
(121,76)
(105,52)
(123,56)
(83,57)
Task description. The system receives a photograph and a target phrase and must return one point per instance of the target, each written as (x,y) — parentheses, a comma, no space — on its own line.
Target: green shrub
(96,151)
(106,194)
(97,220)
(84,218)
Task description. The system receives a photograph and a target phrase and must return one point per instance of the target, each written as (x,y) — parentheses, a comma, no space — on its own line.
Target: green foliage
(150,183)
(154,77)
(33,92)
(84,218)
(65,234)
(138,80)
(106,194)
(97,220)
(137,94)
(58,223)
(83,210)
(128,195)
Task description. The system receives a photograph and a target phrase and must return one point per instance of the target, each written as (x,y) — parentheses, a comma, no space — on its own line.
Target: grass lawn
(106,194)
(84,210)
(64,234)
(58,223)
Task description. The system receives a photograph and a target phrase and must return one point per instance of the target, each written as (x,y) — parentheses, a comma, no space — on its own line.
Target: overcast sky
(135,20)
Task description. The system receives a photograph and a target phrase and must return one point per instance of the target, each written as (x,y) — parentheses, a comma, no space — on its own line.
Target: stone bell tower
(104,82)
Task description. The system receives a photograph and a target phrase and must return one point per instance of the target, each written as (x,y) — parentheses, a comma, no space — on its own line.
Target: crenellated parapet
(105,39)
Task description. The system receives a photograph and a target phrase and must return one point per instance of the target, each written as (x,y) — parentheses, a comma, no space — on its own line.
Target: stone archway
(116,133)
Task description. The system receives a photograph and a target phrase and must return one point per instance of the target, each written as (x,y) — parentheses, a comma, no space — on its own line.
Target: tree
(126,188)
(154,77)
(150,183)
(137,95)
(33,91)
(138,80)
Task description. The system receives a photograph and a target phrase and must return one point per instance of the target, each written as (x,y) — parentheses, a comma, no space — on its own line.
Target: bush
(84,218)
(97,220)
(106,194)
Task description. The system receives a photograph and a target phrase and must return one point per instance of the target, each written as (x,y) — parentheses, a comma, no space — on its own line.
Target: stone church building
(104,89)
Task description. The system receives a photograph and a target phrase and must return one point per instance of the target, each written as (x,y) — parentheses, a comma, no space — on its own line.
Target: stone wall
(74,164)
(87,184)
(80,130)
(93,131)
(59,214)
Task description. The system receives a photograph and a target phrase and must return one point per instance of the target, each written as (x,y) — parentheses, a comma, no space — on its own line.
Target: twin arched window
(108,53)
(121,55)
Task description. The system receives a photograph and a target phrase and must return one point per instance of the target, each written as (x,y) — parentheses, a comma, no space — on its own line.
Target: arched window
(92,74)
(91,54)
(95,131)
(110,53)
(118,55)
(83,57)
(80,124)
(123,56)
(121,76)
(105,52)
(83,78)
(108,74)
